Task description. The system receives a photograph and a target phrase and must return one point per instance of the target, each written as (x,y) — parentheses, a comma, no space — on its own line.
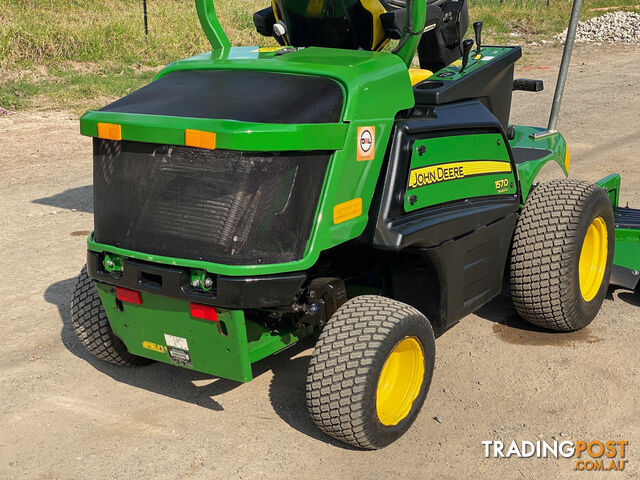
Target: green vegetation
(78,54)
(64,87)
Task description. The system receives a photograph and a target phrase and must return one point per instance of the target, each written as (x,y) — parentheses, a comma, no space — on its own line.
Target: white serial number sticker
(177,342)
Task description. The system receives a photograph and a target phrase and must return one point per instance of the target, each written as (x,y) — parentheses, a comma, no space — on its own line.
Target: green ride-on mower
(250,197)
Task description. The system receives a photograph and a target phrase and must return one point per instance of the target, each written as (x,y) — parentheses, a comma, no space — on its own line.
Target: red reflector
(126,295)
(204,312)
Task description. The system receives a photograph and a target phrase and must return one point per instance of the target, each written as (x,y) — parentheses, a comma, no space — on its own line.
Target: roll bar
(211,26)
(416,19)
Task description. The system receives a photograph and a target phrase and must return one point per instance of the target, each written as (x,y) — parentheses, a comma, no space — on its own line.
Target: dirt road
(66,415)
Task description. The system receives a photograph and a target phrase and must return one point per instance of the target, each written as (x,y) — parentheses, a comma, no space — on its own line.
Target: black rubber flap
(522,155)
(221,206)
(247,96)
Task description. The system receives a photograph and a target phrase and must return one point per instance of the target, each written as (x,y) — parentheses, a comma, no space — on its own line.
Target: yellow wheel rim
(400,381)
(593,259)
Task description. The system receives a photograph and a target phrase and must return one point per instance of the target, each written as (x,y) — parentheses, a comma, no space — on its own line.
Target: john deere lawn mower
(250,197)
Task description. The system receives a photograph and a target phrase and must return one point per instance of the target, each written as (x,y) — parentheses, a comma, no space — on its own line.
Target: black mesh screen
(215,205)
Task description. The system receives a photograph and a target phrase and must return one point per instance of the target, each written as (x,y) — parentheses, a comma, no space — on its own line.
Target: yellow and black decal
(432,174)
(502,185)
(154,346)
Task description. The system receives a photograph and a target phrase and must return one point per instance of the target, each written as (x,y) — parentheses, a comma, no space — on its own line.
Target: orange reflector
(109,131)
(347,210)
(567,158)
(200,139)
(130,296)
(205,312)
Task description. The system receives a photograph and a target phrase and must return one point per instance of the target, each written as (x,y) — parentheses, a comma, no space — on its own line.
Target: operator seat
(346,24)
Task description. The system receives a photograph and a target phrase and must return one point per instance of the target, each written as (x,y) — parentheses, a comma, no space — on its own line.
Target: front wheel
(370,371)
(562,254)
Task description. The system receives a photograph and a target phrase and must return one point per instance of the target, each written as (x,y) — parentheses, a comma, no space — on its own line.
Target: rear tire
(370,371)
(90,322)
(562,255)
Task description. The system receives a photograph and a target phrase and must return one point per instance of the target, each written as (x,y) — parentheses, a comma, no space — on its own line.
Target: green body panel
(217,268)
(264,342)
(210,24)
(376,86)
(627,251)
(611,183)
(528,171)
(230,134)
(451,156)
(210,352)
(227,355)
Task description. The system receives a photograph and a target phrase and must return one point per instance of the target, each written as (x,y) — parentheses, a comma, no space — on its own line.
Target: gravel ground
(613,27)
(66,415)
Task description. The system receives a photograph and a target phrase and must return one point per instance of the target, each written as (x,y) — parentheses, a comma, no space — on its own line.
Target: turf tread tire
(349,355)
(546,249)
(90,322)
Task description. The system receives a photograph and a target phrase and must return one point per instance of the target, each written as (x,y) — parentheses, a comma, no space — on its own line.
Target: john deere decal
(419,177)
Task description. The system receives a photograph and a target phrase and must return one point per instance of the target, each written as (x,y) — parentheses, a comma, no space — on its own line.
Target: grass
(79,54)
(74,54)
(66,88)
(112,30)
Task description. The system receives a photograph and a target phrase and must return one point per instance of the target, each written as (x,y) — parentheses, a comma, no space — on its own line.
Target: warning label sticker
(267,49)
(181,357)
(154,346)
(366,143)
(177,342)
